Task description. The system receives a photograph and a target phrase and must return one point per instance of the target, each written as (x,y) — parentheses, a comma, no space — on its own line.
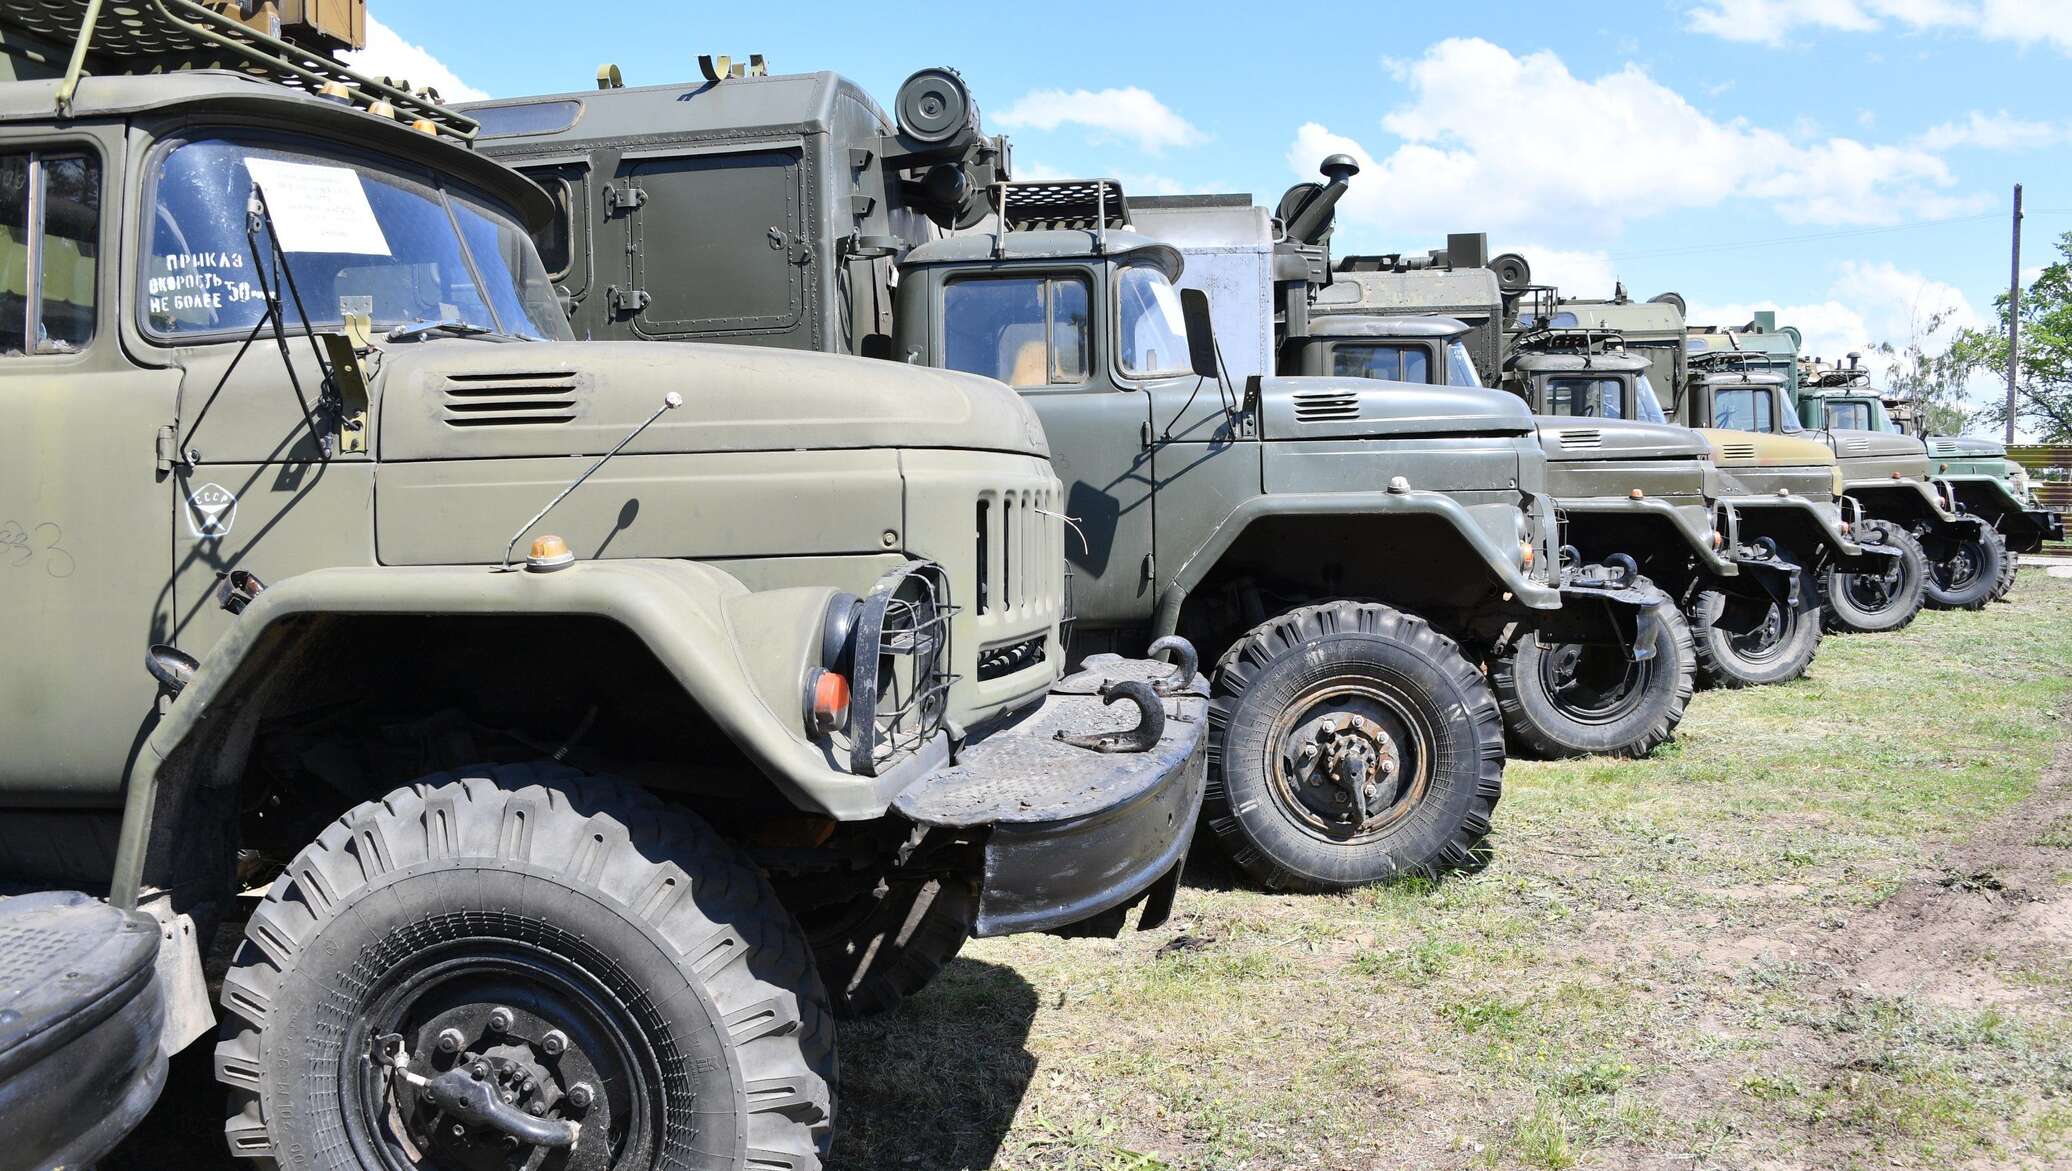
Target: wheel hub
(1352,760)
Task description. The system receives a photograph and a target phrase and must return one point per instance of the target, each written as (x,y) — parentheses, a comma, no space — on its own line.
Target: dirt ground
(1829,927)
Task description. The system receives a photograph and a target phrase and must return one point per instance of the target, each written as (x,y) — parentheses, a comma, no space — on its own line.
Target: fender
(1536,595)
(1996,506)
(1861,556)
(724,644)
(1714,560)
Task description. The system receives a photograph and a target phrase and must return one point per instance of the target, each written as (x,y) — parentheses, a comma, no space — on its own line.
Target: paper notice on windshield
(318,209)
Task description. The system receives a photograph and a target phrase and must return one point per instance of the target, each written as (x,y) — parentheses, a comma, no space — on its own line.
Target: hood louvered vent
(510,400)
(1582,438)
(1856,446)
(1737,450)
(1942,447)
(1326,406)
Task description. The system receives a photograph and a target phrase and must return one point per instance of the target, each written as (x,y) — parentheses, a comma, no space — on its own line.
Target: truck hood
(471,399)
(1965,447)
(1359,408)
(1749,449)
(1567,438)
(1877,454)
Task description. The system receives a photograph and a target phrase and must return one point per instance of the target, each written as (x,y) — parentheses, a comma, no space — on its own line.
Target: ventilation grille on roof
(1323,406)
(511,400)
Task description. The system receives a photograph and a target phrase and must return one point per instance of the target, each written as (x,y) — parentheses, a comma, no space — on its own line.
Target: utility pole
(2014,313)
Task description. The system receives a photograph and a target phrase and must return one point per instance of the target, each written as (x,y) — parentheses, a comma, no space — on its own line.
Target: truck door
(718,244)
(83,504)
(564,242)
(1037,331)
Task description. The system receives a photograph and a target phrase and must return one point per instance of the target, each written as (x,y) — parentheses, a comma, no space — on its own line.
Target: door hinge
(1150,568)
(1144,435)
(168,449)
(627,300)
(620,200)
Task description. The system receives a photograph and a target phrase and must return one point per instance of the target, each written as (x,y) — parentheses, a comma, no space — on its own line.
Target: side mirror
(1201,334)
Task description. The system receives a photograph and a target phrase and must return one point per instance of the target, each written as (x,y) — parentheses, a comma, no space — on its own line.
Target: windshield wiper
(403,333)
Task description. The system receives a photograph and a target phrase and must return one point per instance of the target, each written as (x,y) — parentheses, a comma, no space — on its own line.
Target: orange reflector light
(1847,528)
(425,126)
(548,554)
(1718,539)
(336,91)
(1895,475)
(827,702)
(382,108)
(1525,547)
(1637,494)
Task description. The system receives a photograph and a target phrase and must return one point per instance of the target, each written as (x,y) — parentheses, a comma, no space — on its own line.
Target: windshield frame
(319,148)
(1121,271)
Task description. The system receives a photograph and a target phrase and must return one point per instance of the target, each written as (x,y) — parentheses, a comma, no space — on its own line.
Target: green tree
(2043,382)
(1934,383)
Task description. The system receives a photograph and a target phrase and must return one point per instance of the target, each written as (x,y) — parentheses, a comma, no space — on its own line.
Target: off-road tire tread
(2010,565)
(1833,623)
(646,847)
(1993,540)
(1713,672)
(1257,649)
(1527,738)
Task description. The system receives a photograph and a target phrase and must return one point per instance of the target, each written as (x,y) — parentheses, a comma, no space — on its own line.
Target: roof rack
(1549,339)
(1071,203)
(158,36)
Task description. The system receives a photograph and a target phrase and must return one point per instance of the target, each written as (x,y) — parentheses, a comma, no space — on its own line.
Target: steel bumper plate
(80,1020)
(1074,832)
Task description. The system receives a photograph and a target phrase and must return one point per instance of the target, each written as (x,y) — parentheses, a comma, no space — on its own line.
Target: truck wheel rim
(1594,684)
(1762,641)
(1960,571)
(1873,593)
(1351,757)
(462,988)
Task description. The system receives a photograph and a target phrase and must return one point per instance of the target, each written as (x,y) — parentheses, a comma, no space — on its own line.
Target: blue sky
(1665,143)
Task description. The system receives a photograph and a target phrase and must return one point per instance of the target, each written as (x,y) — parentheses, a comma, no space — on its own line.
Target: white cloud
(1576,272)
(388,55)
(1519,145)
(1867,304)
(1132,115)
(1773,22)
(2001,131)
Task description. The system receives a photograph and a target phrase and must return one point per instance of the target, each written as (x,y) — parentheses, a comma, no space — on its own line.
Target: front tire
(1865,603)
(1304,711)
(884,946)
(1965,581)
(1757,640)
(1565,700)
(2011,563)
(629,949)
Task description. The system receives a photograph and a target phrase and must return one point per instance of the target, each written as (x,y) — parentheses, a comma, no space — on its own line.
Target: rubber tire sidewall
(1537,725)
(897,945)
(1842,616)
(703,946)
(1993,549)
(2011,566)
(1720,666)
(1276,662)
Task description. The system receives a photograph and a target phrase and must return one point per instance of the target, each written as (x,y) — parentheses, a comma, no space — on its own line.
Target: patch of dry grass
(1654,971)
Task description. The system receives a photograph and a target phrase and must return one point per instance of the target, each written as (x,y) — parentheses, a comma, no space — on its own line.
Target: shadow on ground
(932,1086)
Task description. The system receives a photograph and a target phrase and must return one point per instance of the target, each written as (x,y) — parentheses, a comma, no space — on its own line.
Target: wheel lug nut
(580,1095)
(554,1042)
(510,1142)
(500,1019)
(459,1131)
(450,1040)
(536,1108)
(479,1070)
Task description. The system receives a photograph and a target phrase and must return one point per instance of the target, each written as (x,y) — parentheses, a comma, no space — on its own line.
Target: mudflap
(81,1016)
(1606,606)
(1085,811)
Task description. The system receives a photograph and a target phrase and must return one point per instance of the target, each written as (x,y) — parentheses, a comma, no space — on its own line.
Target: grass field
(1831,926)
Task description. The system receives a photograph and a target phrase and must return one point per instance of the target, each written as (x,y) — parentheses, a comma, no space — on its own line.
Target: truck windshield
(1646,407)
(1410,363)
(1743,408)
(1460,368)
(1151,333)
(1857,415)
(362,235)
(1590,398)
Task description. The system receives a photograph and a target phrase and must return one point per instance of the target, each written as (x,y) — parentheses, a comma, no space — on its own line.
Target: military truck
(1975,470)
(587,722)
(1353,738)
(1764,630)
(1888,475)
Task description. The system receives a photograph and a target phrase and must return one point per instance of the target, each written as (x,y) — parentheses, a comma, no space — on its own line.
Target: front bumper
(1070,832)
(1605,605)
(1753,517)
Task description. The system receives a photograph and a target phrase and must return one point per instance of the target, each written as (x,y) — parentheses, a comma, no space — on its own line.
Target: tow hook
(1151,720)
(1185,663)
(463,1096)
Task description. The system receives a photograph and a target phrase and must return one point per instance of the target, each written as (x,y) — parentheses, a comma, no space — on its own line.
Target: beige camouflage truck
(571,729)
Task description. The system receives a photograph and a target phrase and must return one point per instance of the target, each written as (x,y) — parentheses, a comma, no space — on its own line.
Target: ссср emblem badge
(211,510)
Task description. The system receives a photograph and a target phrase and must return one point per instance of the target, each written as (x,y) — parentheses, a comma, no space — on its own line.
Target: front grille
(1001,661)
(1016,550)
(1582,439)
(511,400)
(1324,406)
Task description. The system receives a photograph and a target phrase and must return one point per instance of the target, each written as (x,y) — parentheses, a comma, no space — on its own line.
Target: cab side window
(1390,363)
(50,231)
(1849,416)
(1590,398)
(1024,331)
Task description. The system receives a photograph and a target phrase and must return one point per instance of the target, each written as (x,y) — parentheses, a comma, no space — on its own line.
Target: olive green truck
(1339,569)
(571,727)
